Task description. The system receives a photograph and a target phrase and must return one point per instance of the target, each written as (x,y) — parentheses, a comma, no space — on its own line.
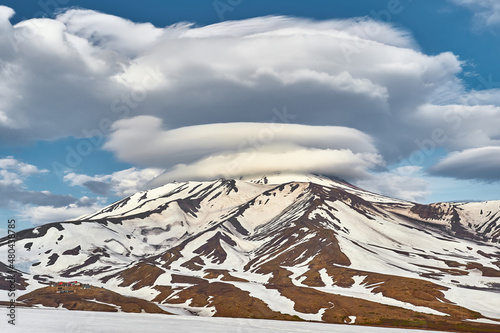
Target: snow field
(64,321)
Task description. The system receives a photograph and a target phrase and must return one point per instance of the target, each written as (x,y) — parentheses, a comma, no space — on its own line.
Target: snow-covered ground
(187,232)
(65,321)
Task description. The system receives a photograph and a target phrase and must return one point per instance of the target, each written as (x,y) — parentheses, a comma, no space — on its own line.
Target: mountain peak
(288,177)
(298,245)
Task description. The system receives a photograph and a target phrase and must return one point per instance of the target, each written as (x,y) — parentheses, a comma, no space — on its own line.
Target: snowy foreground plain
(59,321)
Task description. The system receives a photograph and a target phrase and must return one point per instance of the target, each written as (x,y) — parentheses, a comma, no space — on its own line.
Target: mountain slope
(284,247)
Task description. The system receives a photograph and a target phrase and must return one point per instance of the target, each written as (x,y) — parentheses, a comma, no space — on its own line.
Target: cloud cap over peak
(141,140)
(236,149)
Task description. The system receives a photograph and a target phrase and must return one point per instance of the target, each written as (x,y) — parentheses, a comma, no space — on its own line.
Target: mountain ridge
(319,249)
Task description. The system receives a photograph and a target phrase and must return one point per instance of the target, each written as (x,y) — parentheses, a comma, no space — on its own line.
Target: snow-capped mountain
(296,247)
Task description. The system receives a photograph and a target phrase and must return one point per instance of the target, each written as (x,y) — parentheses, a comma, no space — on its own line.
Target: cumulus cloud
(42,207)
(13,173)
(15,195)
(44,214)
(486,11)
(475,163)
(19,168)
(121,183)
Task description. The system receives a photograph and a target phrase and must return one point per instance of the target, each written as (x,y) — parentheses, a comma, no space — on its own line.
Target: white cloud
(269,160)
(36,206)
(483,97)
(236,149)
(475,163)
(461,126)
(486,11)
(21,168)
(405,183)
(44,214)
(142,140)
(121,183)
(9,179)
(5,14)
(13,173)
(367,76)
(356,73)
(118,34)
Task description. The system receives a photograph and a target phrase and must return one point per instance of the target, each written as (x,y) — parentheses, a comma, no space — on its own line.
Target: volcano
(284,247)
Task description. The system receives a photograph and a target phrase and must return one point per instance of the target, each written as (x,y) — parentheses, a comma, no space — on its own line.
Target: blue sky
(100,98)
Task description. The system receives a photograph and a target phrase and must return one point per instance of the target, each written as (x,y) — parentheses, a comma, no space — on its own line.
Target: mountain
(292,247)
